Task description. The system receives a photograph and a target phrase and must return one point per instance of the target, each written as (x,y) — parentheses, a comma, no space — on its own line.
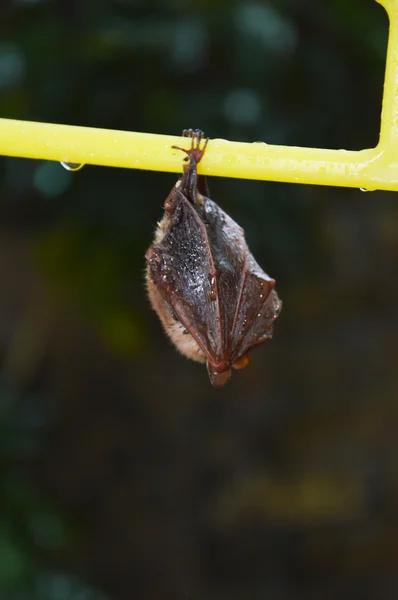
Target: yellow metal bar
(373,168)
(148,151)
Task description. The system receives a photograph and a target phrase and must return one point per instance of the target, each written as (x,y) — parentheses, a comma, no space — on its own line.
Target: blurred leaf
(13,561)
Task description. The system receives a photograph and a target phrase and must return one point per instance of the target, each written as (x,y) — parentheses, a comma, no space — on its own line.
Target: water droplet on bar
(69,166)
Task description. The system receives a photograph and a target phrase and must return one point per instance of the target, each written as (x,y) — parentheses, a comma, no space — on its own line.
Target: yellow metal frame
(371,169)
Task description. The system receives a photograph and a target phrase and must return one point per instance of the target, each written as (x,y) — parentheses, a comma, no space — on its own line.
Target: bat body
(213,299)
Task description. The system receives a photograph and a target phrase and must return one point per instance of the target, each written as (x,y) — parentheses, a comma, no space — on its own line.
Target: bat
(215,302)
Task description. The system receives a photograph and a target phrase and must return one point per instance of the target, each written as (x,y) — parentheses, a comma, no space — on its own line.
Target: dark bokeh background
(124,474)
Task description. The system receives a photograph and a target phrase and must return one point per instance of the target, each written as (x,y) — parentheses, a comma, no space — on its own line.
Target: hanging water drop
(69,166)
(213,289)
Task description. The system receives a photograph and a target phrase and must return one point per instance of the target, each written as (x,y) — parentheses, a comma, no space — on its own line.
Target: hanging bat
(213,299)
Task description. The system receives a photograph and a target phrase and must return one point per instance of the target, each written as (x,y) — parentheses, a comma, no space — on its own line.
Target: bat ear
(242,362)
(218,379)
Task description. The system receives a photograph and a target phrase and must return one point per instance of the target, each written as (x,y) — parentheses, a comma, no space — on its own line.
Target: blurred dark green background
(124,474)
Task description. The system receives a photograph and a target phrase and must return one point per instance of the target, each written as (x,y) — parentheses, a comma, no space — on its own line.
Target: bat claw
(195,151)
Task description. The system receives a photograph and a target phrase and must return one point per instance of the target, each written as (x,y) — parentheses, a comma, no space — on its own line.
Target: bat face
(214,300)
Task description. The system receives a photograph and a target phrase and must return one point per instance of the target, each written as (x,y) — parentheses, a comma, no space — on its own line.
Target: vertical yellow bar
(389,114)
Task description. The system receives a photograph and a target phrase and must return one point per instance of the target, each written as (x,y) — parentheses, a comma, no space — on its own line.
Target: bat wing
(183,270)
(249,304)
